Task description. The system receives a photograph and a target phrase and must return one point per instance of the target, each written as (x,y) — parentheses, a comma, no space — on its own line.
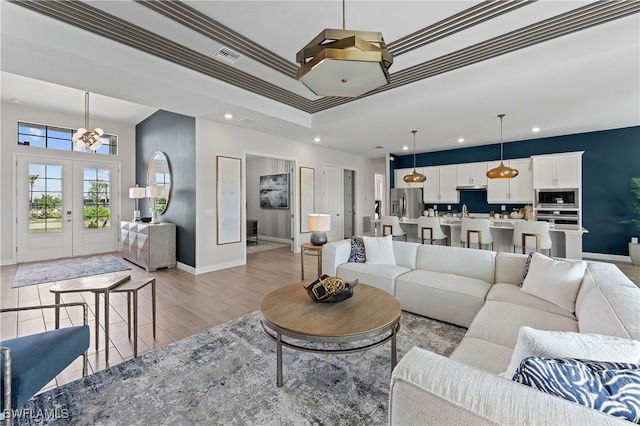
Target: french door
(66,208)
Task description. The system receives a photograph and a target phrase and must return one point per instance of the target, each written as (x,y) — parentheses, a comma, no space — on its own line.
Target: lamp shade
(319,222)
(137,192)
(156,191)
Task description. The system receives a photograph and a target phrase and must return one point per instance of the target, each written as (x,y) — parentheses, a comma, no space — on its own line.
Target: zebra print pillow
(357,251)
(610,387)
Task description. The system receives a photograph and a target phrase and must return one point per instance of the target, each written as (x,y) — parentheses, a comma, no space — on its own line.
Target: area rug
(265,245)
(66,269)
(227,376)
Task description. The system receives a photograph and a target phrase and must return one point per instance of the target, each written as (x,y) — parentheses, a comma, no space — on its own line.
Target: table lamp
(137,193)
(318,224)
(155,192)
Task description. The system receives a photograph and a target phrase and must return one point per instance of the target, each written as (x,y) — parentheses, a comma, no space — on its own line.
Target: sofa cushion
(511,293)
(510,267)
(556,281)
(612,310)
(380,276)
(472,263)
(500,322)
(613,388)
(405,253)
(482,354)
(357,254)
(433,294)
(558,344)
(379,251)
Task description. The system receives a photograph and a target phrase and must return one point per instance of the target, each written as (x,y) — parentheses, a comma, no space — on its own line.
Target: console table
(150,245)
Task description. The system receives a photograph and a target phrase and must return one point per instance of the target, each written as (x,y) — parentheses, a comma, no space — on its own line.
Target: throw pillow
(379,250)
(357,250)
(527,264)
(556,281)
(613,388)
(566,344)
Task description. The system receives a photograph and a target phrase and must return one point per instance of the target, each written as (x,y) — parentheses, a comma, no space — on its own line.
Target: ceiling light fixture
(414,177)
(344,62)
(460,140)
(535,129)
(502,171)
(228,116)
(85,140)
(316,139)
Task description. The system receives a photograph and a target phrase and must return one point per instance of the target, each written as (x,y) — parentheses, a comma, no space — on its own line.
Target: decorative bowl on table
(516,215)
(328,289)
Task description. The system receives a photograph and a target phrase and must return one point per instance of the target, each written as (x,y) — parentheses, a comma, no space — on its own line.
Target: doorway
(65,208)
(349,203)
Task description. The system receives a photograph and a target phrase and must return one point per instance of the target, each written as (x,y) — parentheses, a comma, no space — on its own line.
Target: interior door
(349,204)
(70,208)
(331,199)
(44,208)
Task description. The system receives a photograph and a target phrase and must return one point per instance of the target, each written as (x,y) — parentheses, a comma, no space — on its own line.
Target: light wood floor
(186,303)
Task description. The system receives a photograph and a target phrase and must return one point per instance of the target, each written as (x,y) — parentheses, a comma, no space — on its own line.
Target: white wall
(10,114)
(220,139)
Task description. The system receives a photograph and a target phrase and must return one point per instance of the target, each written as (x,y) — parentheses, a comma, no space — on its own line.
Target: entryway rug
(66,269)
(227,376)
(265,245)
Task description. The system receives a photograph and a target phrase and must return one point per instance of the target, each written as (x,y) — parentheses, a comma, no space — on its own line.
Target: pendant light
(414,177)
(84,139)
(502,171)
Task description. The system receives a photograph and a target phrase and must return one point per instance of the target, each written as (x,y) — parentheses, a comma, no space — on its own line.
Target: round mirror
(159,179)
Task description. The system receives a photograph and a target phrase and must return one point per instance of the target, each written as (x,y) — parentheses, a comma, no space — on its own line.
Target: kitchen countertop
(495,224)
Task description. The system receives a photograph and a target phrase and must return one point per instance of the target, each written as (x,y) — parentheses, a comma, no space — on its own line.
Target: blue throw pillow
(357,251)
(610,387)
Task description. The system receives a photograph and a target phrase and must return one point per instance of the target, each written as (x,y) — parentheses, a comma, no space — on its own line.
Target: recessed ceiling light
(460,140)
(535,129)
(316,139)
(405,148)
(228,116)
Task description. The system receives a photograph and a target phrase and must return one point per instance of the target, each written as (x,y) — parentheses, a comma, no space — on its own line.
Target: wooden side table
(132,288)
(311,250)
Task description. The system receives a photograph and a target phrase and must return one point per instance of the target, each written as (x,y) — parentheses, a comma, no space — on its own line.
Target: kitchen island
(566,240)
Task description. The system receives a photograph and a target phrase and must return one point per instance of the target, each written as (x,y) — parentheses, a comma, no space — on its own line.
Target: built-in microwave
(557,198)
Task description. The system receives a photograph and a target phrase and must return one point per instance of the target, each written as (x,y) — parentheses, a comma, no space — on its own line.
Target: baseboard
(606,257)
(219,266)
(186,268)
(7,262)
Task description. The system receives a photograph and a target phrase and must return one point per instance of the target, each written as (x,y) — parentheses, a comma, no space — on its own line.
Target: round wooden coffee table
(371,317)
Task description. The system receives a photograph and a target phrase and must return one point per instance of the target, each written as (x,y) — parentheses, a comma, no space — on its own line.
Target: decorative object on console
(328,289)
(137,193)
(566,344)
(84,139)
(155,192)
(344,62)
(556,281)
(610,387)
(318,224)
(414,177)
(502,171)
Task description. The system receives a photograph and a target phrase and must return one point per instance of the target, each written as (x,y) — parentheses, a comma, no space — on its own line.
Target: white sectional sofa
(478,289)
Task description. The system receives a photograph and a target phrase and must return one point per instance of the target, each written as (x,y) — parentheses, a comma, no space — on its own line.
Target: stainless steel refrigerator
(407,202)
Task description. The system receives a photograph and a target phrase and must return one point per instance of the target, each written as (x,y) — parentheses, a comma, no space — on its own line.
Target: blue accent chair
(30,362)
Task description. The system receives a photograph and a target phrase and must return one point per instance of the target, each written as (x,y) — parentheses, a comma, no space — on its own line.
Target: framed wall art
(229,199)
(274,191)
(307,196)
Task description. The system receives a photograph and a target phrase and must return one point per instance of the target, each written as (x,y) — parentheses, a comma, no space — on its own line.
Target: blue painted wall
(611,158)
(175,135)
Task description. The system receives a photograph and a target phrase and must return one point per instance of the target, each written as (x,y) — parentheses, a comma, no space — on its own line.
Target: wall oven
(557,198)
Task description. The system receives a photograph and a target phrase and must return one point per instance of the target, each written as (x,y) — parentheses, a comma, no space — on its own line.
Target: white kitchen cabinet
(400,173)
(440,186)
(472,174)
(516,190)
(557,170)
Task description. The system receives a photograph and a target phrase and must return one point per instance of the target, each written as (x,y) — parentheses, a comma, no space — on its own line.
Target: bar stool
(391,226)
(476,231)
(526,232)
(132,287)
(429,228)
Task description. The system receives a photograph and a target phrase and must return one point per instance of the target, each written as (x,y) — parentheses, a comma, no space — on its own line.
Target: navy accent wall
(611,158)
(175,135)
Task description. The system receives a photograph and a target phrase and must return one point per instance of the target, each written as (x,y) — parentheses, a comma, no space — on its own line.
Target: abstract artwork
(274,191)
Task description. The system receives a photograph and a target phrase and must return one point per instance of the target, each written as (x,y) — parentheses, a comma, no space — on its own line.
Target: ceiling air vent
(247,121)
(227,55)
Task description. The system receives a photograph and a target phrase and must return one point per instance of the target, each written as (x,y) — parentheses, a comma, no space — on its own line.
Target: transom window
(52,137)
